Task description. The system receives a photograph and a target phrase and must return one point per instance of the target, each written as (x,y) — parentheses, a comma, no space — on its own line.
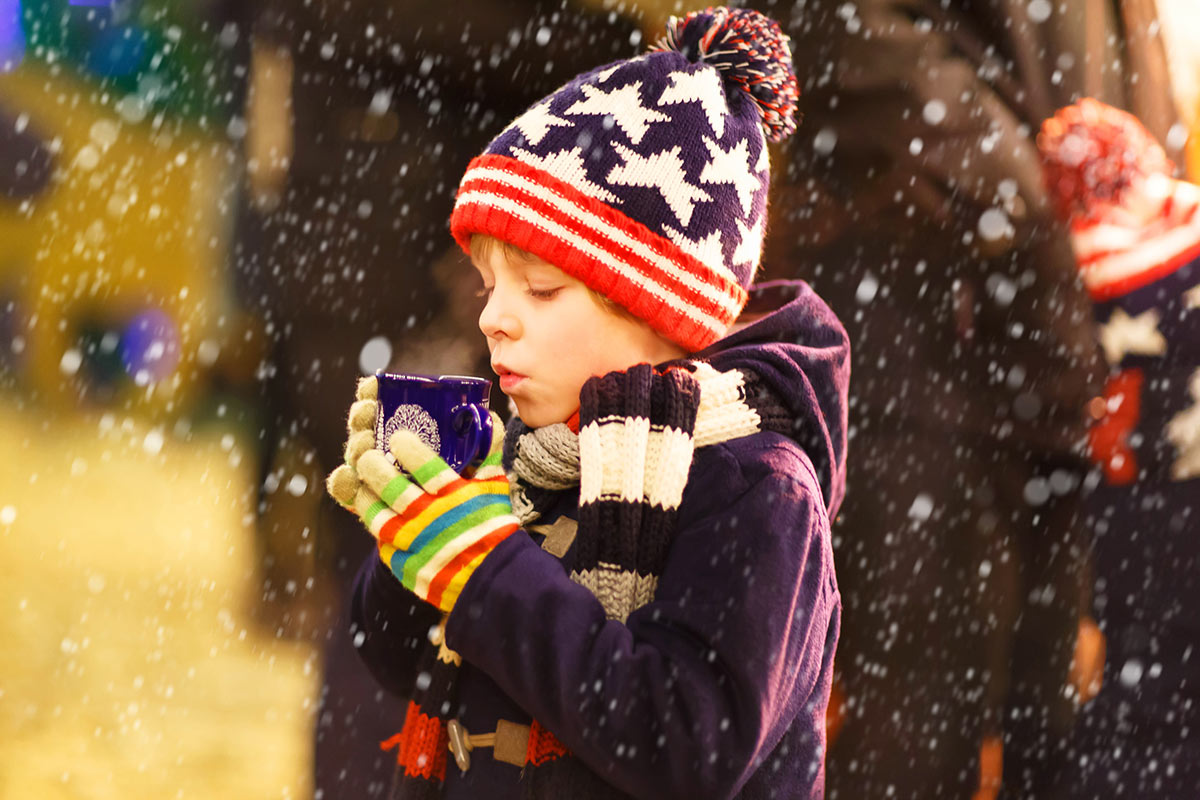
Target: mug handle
(481,432)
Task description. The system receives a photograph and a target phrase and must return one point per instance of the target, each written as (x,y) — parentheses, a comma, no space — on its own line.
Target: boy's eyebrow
(520,269)
(540,268)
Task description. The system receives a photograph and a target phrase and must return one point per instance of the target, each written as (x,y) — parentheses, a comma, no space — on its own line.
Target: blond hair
(482,247)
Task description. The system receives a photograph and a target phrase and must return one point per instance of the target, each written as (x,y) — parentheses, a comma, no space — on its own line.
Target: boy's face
(548,335)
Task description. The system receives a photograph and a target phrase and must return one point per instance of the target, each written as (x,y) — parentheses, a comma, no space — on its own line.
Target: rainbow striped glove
(433,526)
(343,483)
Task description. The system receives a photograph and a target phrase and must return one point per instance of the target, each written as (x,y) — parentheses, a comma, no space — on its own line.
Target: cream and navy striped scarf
(630,461)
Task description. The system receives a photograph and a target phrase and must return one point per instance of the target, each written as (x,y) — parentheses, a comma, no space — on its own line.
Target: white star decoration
(1124,334)
(702,86)
(567,165)
(764,160)
(623,104)
(604,75)
(1184,432)
(750,246)
(708,250)
(662,171)
(732,166)
(1191,298)
(535,122)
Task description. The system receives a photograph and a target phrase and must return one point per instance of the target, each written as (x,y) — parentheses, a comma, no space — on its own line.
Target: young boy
(1136,234)
(646,605)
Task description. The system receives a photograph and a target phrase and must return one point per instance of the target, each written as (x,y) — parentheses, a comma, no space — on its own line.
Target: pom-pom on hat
(647,178)
(1092,154)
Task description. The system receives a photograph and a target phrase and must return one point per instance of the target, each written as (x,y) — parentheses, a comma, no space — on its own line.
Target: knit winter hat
(647,178)
(1093,153)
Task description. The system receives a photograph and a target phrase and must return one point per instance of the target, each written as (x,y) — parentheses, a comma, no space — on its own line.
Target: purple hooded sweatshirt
(718,687)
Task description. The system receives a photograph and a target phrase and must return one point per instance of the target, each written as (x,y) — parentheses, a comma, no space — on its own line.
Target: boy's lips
(509,380)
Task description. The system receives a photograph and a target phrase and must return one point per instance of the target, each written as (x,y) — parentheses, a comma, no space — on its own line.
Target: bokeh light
(118,50)
(150,346)
(12,40)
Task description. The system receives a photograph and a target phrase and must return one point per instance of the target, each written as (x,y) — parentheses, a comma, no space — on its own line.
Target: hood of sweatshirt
(796,346)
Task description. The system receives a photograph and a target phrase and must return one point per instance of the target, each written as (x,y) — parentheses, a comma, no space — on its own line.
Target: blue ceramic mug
(448,412)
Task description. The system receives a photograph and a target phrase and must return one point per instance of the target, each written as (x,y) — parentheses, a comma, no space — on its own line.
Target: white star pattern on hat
(624,105)
(604,75)
(708,250)
(702,86)
(1191,298)
(535,122)
(732,166)
(750,246)
(567,165)
(1123,334)
(647,178)
(662,171)
(1184,432)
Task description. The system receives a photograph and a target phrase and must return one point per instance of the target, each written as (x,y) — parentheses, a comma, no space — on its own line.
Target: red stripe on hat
(597,238)
(1136,280)
(659,244)
(476,218)
(671,323)
(1115,258)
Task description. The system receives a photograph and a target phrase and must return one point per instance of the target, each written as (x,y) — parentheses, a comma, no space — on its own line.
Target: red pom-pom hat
(1092,154)
(647,178)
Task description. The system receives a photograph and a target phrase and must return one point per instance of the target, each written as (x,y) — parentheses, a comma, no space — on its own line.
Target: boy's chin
(534,415)
(531,418)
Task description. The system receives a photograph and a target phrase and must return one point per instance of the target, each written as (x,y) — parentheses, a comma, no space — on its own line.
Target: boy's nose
(498,322)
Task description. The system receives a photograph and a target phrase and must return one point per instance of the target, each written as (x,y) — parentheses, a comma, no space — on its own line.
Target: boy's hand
(343,482)
(435,527)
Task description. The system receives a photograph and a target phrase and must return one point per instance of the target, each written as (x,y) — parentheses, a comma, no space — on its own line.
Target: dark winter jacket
(1145,512)
(718,687)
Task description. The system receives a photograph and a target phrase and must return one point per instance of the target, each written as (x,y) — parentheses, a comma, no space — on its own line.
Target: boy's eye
(544,294)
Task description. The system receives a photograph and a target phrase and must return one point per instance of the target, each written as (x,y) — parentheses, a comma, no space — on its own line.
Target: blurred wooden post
(1180,28)
(269,135)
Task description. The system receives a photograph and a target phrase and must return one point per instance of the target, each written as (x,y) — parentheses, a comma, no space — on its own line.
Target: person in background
(1136,235)
(912,199)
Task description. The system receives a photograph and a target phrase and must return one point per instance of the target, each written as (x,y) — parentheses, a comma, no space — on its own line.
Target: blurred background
(214,215)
